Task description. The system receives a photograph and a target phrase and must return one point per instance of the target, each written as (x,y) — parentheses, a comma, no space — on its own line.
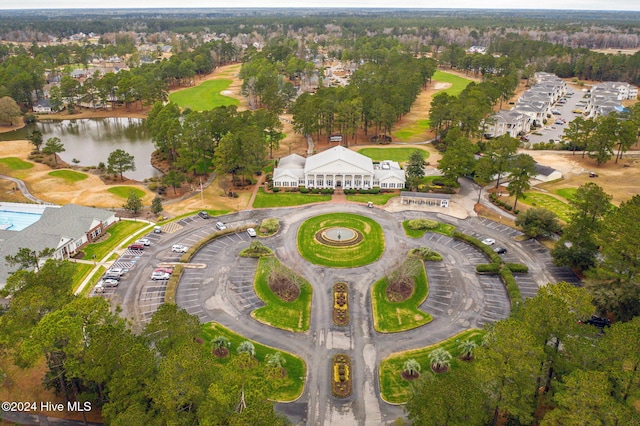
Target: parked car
(111,276)
(144,241)
(500,250)
(560,122)
(157,229)
(251,232)
(524,138)
(577,111)
(168,270)
(159,275)
(555,112)
(108,282)
(597,321)
(136,246)
(221,226)
(489,241)
(203,214)
(116,271)
(179,248)
(593,174)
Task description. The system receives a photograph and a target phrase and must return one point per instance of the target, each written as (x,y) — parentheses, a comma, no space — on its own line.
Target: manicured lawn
(458,84)
(392,317)
(117,233)
(80,273)
(293,316)
(417,128)
(15,163)
(367,251)
(123,191)
(377,199)
(284,199)
(566,193)
(291,386)
(93,281)
(69,175)
(536,199)
(443,228)
(205,96)
(399,155)
(394,388)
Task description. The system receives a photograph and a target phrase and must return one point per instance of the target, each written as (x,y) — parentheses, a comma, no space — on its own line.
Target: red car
(136,247)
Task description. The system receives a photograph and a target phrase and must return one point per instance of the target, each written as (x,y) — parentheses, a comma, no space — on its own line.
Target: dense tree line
(540,366)
(163,375)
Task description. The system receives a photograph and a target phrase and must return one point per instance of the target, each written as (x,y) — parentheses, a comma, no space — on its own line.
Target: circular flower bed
(341,304)
(341,373)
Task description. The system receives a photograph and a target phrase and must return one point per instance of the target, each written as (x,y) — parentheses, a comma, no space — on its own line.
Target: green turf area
(80,273)
(378,199)
(392,317)
(205,96)
(367,251)
(566,193)
(69,175)
(443,228)
(291,385)
(536,199)
(458,84)
(93,281)
(414,129)
(123,191)
(399,155)
(284,199)
(394,389)
(14,163)
(293,316)
(117,233)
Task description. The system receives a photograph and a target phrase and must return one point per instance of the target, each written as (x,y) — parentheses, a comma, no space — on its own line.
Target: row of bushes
(498,202)
(172,285)
(420,224)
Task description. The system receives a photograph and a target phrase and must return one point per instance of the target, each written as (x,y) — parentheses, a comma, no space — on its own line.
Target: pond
(92,140)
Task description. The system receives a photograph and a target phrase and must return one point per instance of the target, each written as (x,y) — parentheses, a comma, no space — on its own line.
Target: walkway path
(23,188)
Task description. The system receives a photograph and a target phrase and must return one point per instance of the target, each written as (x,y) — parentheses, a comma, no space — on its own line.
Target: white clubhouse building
(337,167)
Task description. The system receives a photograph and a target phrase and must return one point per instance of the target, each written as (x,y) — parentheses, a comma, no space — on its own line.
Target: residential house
(512,123)
(43,106)
(337,167)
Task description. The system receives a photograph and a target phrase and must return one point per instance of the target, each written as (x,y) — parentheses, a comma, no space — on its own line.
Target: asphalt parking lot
(553,131)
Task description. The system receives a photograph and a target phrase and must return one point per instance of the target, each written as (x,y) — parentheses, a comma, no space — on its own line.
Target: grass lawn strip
(367,251)
(292,316)
(394,389)
(285,199)
(443,228)
(69,175)
(292,383)
(81,272)
(549,202)
(392,317)
(377,199)
(400,155)
(15,163)
(92,281)
(117,233)
(566,193)
(123,191)
(205,96)
(458,84)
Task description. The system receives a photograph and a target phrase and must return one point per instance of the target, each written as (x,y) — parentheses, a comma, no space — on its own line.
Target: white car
(251,232)
(489,241)
(221,226)
(144,241)
(159,275)
(115,271)
(108,282)
(179,248)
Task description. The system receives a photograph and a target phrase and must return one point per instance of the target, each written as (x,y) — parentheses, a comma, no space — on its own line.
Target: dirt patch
(220,352)
(400,288)
(410,376)
(282,286)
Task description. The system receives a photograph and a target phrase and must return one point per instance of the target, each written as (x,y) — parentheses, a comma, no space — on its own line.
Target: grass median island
(70,176)
(416,228)
(14,163)
(378,199)
(366,251)
(205,96)
(285,199)
(123,191)
(292,316)
(400,155)
(291,385)
(116,233)
(392,317)
(394,389)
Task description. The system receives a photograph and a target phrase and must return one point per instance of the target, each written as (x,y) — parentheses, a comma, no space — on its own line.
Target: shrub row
(517,268)
(512,286)
(488,268)
(172,285)
(495,257)
(419,224)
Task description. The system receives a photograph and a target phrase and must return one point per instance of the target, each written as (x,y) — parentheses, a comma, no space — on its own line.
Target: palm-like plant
(467,347)
(247,348)
(440,359)
(220,342)
(276,360)
(411,367)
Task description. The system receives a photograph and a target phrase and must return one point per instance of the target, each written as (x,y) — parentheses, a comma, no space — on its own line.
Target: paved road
(222,291)
(23,188)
